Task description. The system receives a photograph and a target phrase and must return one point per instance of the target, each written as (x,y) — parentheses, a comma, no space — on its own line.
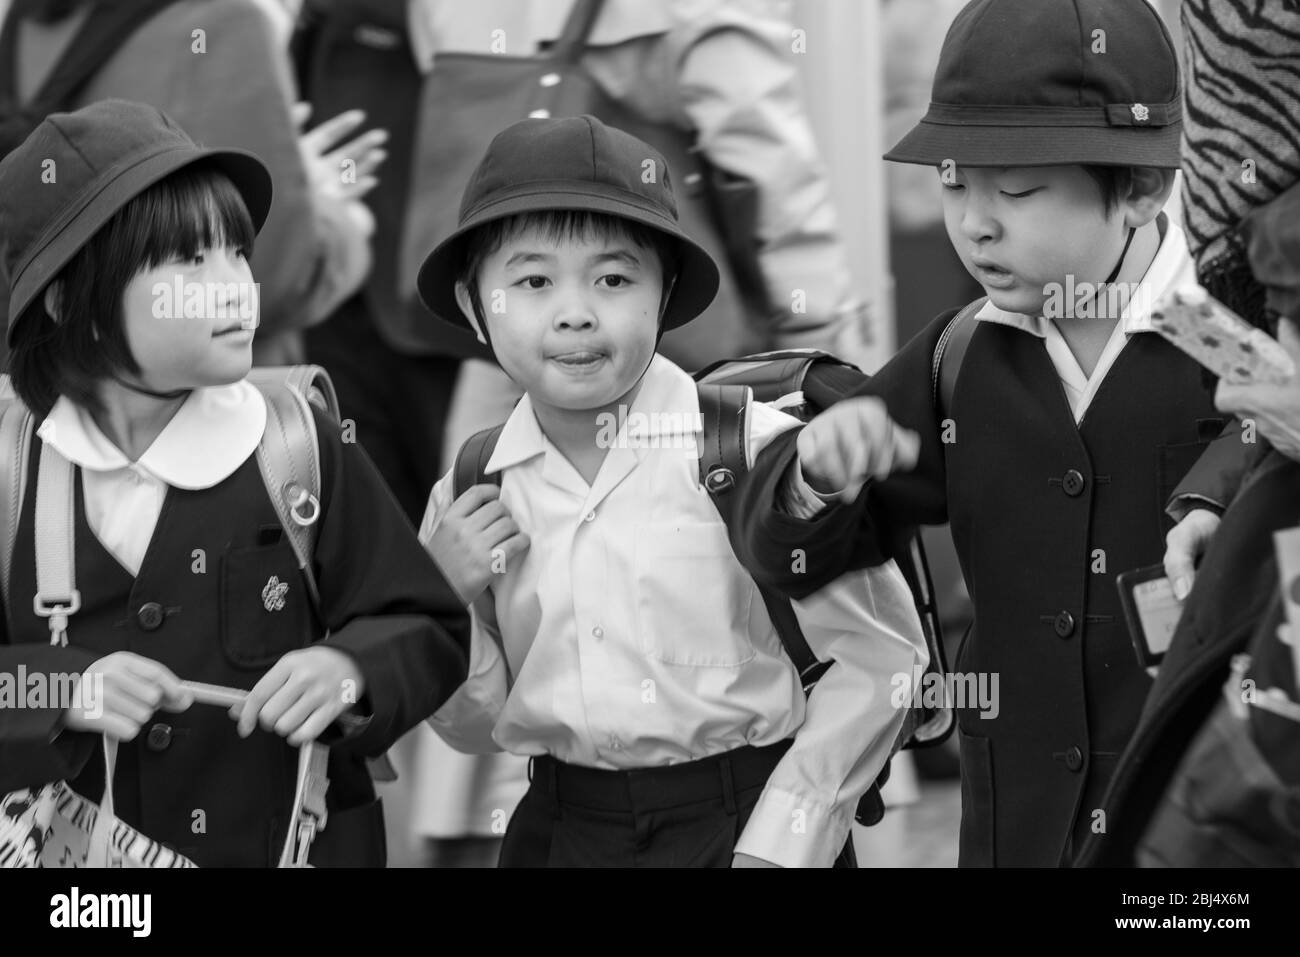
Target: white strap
(102,833)
(309,816)
(56,597)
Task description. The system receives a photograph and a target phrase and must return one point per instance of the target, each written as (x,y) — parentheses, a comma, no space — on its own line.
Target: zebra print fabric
(1241,140)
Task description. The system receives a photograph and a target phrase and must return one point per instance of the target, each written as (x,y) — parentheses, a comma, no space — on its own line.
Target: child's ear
(1149,191)
(52,301)
(466,304)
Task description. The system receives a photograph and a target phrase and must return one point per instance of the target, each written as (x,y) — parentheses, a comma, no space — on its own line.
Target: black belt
(647,789)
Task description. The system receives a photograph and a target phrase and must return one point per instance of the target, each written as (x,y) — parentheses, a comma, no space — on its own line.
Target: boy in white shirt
(616,638)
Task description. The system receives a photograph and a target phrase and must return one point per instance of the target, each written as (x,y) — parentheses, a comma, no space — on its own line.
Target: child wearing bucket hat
(1053,424)
(615,638)
(131,312)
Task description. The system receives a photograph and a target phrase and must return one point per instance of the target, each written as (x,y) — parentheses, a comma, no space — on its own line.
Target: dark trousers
(682,815)
(398,402)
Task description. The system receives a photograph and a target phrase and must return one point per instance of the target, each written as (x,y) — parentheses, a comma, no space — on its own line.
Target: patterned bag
(54,826)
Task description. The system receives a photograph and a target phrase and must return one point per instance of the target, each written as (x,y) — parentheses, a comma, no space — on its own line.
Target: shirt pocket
(265,609)
(692,598)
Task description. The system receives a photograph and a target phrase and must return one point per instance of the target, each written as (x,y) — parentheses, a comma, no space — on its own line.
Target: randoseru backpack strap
(948,354)
(470,468)
(289,454)
(723,409)
(16,426)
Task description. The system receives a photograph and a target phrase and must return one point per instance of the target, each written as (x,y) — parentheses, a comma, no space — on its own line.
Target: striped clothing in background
(1241,141)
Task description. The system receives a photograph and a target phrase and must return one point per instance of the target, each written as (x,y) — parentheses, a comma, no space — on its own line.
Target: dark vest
(197,606)
(1044,516)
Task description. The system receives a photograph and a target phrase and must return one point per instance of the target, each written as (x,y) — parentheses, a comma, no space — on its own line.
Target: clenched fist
(851,442)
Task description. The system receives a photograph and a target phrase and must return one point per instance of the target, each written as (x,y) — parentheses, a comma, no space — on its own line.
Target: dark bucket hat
(1052,83)
(572,163)
(76,170)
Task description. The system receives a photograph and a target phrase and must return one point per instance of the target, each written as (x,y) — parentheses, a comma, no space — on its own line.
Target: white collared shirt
(1171,268)
(214,432)
(629,636)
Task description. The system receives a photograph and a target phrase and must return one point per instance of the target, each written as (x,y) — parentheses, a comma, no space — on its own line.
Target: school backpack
(725,388)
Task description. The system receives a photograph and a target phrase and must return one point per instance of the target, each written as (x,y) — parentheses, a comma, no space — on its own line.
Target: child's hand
(851,442)
(1184,546)
(476,539)
(132,689)
(302,694)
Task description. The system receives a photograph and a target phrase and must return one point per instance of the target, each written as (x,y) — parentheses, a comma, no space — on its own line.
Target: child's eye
(1028,192)
(533,282)
(615,281)
(953,186)
(195,260)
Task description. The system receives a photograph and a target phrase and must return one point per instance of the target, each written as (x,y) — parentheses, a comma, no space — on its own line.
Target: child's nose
(574,311)
(977,220)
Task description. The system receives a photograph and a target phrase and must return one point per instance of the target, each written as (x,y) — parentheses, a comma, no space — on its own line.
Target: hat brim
(60,244)
(933,144)
(697,275)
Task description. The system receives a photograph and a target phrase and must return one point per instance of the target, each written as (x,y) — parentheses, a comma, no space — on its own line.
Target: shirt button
(159,737)
(589,517)
(615,744)
(1073,483)
(1064,624)
(1074,759)
(598,633)
(150,616)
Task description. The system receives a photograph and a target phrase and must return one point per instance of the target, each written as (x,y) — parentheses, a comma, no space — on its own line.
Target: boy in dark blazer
(1070,421)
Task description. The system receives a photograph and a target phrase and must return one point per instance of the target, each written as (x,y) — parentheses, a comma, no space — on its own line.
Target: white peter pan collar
(212,434)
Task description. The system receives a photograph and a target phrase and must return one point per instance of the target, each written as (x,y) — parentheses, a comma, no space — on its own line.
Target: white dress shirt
(629,636)
(209,437)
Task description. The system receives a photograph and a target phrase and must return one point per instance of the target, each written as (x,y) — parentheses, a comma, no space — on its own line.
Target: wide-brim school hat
(1052,83)
(76,170)
(570,164)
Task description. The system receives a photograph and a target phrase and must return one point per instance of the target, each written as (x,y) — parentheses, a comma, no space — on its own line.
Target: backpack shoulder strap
(289,459)
(470,468)
(952,346)
(16,428)
(724,410)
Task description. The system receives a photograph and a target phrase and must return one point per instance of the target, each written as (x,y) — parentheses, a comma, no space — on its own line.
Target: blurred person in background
(220,68)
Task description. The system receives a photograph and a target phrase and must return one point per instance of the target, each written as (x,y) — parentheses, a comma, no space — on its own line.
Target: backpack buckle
(720,479)
(298,497)
(58,612)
